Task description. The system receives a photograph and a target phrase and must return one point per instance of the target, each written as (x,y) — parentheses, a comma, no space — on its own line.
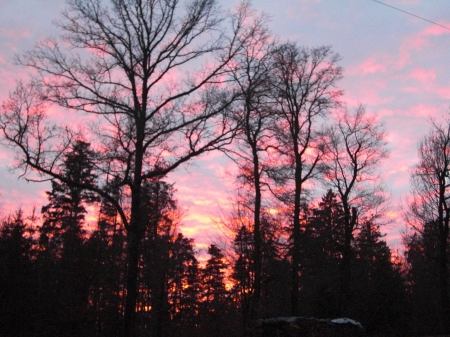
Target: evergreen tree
(64,215)
(18,291)
(105,248)
(243,272)
(62,236)
(322,243)
(159,226)
(213,280)
(326,226)
(184,286)
(429,206)
(379,295)
(422,257)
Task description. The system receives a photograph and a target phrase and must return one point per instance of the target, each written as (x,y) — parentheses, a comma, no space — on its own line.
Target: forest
(158,83)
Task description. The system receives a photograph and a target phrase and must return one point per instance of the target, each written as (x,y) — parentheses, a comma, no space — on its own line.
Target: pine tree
(322,242)
(379,296)
(325,227)
(105,248)
(65,214)
(243,272)
(62,237)
(184,285)
(422,257)
(213,280)
(159,225)
(18,290)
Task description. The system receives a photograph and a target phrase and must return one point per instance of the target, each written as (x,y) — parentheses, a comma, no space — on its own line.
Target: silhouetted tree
(422,258)
(184,286)
(105,251)
(429,205)
(213,280)
(254,138)
(63,235)
(160,225)
(304,90)
(18,290)
(379,298)
(65,213)
(243,271)
(116,63)
(322,243)
(355,149)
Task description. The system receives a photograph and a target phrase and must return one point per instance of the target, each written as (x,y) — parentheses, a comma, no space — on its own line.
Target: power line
(419,17)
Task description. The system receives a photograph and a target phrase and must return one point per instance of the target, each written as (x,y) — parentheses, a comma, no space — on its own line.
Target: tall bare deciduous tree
(430,204)
(149,75)
(254,139)
(304,88)
(356,147)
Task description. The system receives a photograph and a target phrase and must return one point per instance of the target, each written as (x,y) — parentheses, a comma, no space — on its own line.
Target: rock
(310,327)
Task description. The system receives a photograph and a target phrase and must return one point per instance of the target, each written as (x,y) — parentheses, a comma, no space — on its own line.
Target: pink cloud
(387,63)
(443,92)
(14,34)
(203,199)
(418,42)
(367,95)
(11,199)
(371,66)
(437,30)
(410,89)
(422,75)
(423,110)
(380,83)
(411,44)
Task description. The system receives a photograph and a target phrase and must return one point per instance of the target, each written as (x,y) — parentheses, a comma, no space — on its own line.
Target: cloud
(422,75)
(443,92)
(437,30)
(418,42)
(14,34)
(371,66)
(367,95)
(423,110)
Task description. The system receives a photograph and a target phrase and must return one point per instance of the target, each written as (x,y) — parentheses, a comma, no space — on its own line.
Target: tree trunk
(295,279)
(131,282)
(349,223)
(257,238)
(443,275)
(134,236)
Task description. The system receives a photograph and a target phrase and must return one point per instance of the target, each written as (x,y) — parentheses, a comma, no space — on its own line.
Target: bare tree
(355,149)
(429,204)
(254,139)
(304,90)
(151,74)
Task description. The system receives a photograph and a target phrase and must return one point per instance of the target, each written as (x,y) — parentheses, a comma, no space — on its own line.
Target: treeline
(59,279)
(159,83)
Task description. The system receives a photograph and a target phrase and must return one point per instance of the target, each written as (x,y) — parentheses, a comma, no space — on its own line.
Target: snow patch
(346,321)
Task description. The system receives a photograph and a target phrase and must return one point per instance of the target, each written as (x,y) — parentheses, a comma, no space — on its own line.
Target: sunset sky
(396,64)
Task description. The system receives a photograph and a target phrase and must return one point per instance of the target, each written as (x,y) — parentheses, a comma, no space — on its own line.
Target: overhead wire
(419,17)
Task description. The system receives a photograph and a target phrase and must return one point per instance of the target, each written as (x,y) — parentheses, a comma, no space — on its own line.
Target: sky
(395,64)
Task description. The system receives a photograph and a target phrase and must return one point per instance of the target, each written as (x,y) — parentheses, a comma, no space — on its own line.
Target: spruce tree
(62,236)
(64,215)
(213,280)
